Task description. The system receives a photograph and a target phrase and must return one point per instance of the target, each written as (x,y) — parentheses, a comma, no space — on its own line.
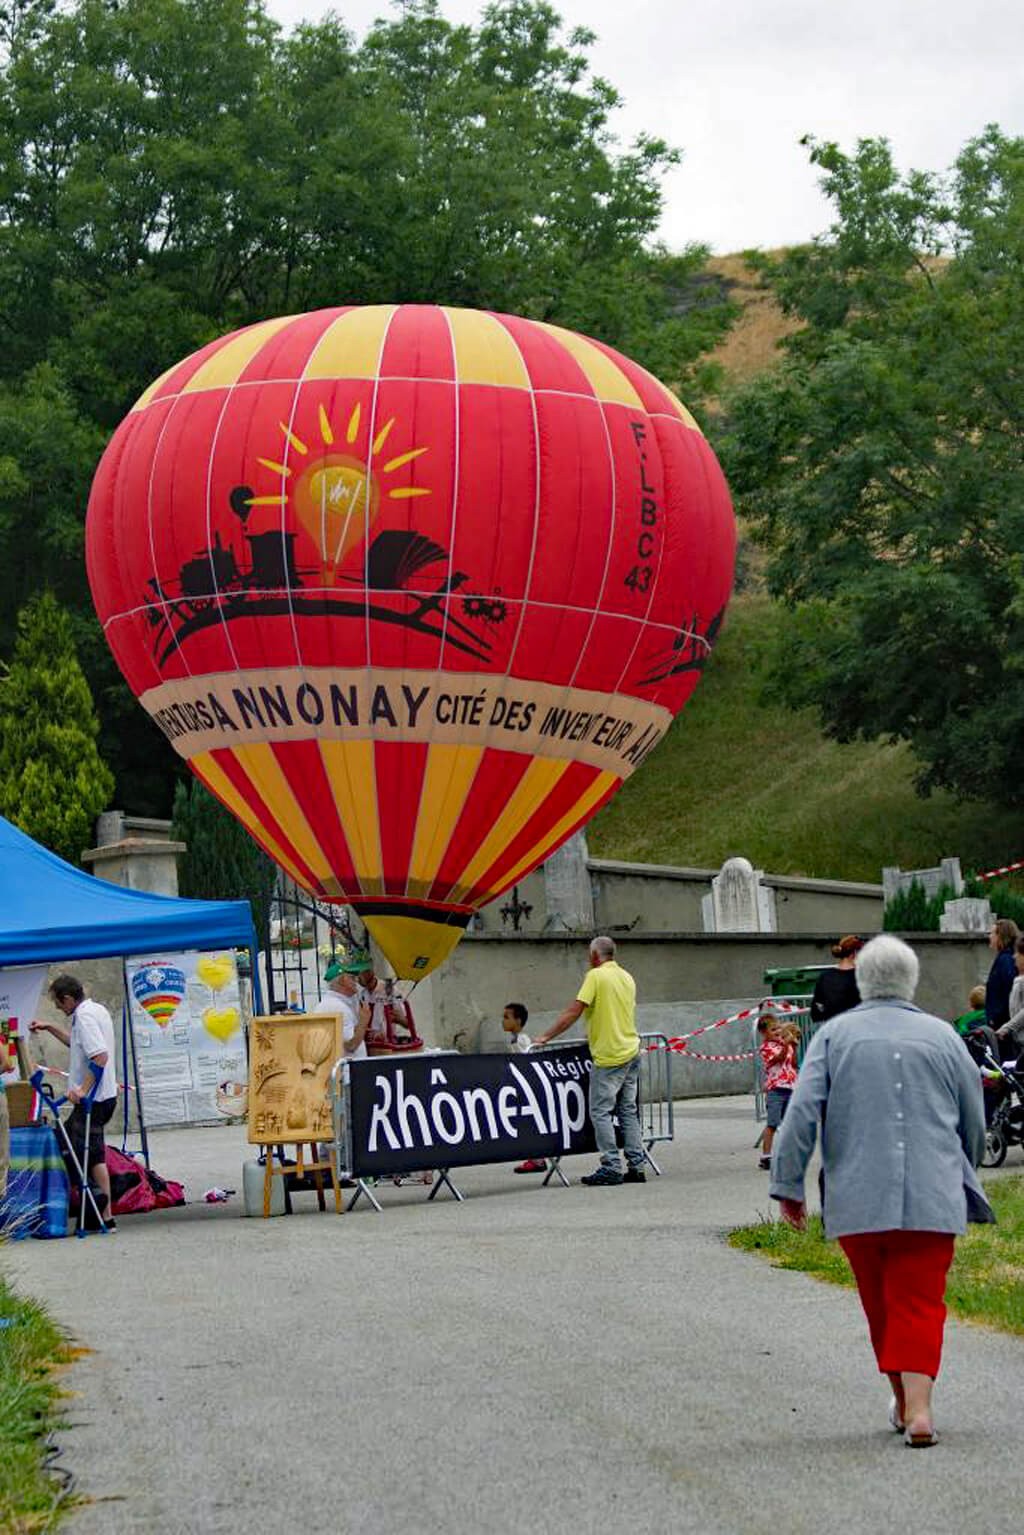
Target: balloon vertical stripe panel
(303,766)
(449,777)
(350,772)
(267,820)
(491,808)
(398,771)
(579,813)
(412,589)
(246,808)
(536,829)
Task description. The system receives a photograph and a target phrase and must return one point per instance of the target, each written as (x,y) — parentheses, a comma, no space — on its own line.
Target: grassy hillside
(739,774)
(752,343)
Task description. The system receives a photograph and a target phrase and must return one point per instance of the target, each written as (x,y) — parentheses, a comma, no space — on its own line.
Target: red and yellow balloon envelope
(413,590)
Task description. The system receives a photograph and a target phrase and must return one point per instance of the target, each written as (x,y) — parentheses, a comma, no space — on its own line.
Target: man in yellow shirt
(608,997)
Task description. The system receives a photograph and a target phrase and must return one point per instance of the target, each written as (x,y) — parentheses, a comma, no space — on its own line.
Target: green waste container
(793,980)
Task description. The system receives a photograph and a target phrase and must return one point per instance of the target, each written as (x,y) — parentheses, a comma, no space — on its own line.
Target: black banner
(413,1113)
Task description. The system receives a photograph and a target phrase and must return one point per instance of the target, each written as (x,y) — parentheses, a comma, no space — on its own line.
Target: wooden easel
(300,1169)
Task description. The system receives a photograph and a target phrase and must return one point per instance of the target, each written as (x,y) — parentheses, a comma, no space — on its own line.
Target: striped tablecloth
(37,1186)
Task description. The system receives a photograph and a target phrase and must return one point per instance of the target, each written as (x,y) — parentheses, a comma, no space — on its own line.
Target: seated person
(975,1016)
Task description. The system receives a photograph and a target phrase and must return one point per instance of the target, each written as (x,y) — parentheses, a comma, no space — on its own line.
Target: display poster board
(291,1056)
(187,1024)
(411,1113)
(20,989)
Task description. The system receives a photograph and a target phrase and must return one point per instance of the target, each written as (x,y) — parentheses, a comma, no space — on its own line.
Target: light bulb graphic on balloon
(215,970)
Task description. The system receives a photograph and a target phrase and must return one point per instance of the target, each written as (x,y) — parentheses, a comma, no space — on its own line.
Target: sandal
(920,1441)
(895,1421)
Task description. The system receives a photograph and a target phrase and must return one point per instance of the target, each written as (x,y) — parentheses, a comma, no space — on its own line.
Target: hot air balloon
(159,990)
(412,590)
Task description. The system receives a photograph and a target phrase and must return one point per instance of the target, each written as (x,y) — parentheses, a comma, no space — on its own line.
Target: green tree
(53,781)
(881,463)
(172,169)
(222,862)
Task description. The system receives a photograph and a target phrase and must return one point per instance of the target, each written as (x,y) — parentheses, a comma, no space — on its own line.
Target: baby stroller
(1006,1126)
(983,1048)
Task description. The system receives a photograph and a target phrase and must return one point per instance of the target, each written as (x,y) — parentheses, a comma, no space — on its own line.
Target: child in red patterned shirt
(777,1049)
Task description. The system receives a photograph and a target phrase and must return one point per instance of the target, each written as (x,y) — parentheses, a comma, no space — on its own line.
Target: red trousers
(901,1277)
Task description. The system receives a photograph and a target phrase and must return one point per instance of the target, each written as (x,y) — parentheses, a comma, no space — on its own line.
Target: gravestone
(739,902)
(967,915)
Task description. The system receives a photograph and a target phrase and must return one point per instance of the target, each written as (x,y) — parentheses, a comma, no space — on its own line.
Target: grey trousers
(614,1089)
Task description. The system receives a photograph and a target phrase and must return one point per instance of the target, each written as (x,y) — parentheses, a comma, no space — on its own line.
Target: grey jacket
(1013,1028)
(902,1120)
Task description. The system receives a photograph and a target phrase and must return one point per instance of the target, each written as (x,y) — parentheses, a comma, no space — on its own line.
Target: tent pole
(130,1033)
(254,963)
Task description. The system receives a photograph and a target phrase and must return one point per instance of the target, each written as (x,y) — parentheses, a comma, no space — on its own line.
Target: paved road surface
(533,1360)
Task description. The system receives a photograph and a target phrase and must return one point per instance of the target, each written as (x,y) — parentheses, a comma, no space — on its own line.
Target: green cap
(353,966)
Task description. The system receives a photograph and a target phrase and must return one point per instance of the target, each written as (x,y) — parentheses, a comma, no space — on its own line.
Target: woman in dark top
(1002,938)
(835,990)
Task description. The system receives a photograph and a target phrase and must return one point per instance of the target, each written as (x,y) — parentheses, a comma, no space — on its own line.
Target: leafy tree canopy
(881,463)
(172,169)
(53,783)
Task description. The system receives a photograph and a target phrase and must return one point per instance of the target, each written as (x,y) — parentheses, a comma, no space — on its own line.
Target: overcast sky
(735,84)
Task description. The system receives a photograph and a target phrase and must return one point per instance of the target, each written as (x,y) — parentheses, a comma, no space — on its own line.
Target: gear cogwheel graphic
(491,609)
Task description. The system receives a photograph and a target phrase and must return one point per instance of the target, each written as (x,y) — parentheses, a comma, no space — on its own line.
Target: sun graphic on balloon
(337,497)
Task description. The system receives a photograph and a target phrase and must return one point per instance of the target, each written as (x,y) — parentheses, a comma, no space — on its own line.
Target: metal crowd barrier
(341,1122)
(657,1121)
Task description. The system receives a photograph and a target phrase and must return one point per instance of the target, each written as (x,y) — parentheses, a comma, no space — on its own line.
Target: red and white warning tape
(1008,868)
(695,1055)
(679,1042)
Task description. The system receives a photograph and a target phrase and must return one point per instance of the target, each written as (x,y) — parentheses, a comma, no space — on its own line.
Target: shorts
(102,1112)
(777,1101)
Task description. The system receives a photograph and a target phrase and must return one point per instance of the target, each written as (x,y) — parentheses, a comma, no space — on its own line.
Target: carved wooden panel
(290,1061)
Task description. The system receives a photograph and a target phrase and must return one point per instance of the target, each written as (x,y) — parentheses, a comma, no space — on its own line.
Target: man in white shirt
(90,1040)
(342,997)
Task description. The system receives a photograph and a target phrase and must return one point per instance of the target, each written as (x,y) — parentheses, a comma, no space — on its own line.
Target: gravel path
(530,1360)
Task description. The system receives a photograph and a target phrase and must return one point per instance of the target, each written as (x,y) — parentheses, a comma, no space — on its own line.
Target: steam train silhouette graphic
(392,585)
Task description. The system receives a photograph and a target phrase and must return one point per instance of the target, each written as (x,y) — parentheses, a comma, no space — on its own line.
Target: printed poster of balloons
(189,1038)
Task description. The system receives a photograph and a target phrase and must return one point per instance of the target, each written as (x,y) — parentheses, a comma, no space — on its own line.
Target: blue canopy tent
(51,911)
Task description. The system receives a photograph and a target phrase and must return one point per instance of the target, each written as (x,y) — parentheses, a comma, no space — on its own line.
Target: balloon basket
(384,1046)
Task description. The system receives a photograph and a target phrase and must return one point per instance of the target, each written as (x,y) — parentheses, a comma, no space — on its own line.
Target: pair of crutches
(52,1104)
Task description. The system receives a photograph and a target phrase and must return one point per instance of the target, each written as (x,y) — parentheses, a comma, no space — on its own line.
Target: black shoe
(95,1201)
(635,1175)
(603,1176)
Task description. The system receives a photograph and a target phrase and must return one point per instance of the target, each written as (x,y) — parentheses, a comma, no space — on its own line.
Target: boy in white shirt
(513,1021)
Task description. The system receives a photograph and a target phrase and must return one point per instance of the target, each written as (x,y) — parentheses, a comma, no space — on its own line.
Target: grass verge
(32,1498)
(738,772)
(986,1282)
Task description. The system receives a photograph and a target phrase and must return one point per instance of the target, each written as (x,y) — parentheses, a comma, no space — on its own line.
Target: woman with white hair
(899,1104)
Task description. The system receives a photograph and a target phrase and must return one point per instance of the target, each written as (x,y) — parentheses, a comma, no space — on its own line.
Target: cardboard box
(20,1097)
